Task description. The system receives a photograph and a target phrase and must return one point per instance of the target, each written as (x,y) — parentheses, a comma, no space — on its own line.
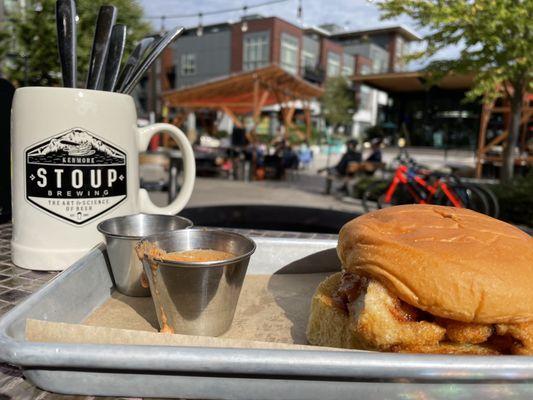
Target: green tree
(497,45)
(30,39)
(338,101)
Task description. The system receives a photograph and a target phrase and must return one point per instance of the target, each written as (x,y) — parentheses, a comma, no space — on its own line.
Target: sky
(350,14)
(354,14)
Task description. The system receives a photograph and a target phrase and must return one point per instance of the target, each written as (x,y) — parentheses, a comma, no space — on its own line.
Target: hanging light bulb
(299,12)
(200,29)
(244,26)
(346,26)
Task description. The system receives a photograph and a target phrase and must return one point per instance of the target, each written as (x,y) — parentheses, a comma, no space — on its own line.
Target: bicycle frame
(403,175)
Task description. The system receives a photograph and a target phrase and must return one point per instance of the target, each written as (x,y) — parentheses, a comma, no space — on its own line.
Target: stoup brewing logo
(75,176)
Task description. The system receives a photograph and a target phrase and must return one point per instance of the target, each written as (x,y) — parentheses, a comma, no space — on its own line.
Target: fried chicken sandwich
(428,279)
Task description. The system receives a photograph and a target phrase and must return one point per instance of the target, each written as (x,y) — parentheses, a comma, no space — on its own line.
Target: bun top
(451,262)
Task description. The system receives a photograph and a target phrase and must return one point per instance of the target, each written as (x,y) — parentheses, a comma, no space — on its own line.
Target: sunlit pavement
(302,190)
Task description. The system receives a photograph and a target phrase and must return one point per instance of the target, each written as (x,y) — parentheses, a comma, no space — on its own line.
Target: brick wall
(326,46)
(265,24)
(167,65)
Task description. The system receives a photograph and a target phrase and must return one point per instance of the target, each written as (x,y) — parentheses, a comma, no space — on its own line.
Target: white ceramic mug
(75,163)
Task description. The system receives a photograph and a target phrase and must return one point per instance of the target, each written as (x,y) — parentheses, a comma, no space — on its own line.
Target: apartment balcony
(314,75)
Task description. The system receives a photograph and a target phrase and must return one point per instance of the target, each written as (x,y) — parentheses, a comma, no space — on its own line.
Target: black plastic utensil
(133,60)
(66,40)
(104,24)
(114,56)
(150,58)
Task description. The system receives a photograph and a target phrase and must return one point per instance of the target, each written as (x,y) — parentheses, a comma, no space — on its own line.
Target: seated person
(351,155)
(305,155)
(375,156)
(290,158)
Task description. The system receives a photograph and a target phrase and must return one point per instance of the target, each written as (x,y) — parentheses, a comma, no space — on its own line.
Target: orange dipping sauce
(198,255)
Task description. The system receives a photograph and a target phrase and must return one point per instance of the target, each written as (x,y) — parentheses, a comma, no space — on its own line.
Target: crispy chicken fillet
(381,321)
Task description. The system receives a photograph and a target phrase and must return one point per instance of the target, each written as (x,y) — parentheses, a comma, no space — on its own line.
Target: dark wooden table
(16,284)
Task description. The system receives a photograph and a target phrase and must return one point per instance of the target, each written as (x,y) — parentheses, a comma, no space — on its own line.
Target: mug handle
(189,168)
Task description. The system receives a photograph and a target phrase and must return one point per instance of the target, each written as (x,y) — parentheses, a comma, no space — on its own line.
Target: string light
(200,29)
(346,25)
(244,26)
(217,12)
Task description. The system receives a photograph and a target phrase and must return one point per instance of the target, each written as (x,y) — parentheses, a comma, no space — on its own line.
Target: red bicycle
(412,184)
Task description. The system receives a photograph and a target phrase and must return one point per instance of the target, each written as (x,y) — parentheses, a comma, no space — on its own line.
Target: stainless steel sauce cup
(122,234)
(197,298)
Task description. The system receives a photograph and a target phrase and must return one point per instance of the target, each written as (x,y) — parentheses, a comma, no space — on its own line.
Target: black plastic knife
(114,56)
(104,25)
(66,40)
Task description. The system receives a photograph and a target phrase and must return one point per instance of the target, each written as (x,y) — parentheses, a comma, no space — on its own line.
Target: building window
(255,51)
(334,64)
(365,98)
(365,70)
(188,64)
(379,65)
(289,53)
(380,60)
(347,65)
(309,60)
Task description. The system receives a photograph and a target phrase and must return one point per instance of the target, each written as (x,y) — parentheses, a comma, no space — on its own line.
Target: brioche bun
(451,262)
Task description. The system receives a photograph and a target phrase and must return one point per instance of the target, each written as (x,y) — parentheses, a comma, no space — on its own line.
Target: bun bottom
(331,326)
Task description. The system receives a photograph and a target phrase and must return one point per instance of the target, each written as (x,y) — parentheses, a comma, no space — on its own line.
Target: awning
(397,82)
(244,92)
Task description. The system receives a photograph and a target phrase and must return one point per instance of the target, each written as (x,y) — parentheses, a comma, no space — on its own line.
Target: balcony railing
(314,74)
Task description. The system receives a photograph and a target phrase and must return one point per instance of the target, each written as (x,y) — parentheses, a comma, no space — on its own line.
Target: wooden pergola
(247,93)
(483,151)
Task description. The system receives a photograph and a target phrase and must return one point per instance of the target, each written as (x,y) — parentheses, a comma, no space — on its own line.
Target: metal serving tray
(205,373)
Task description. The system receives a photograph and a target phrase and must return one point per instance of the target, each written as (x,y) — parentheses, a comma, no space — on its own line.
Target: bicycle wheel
(374,196)
(469,195)
(494,204)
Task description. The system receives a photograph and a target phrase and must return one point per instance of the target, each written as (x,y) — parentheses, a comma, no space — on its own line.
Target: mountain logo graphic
(75,176)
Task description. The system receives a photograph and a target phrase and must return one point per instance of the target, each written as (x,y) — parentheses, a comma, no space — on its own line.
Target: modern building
(427,113)
(313,53)
(375,51)
(222,49)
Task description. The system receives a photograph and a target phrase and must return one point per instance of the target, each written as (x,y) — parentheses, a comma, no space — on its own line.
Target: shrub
(361,186)
(516,200)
